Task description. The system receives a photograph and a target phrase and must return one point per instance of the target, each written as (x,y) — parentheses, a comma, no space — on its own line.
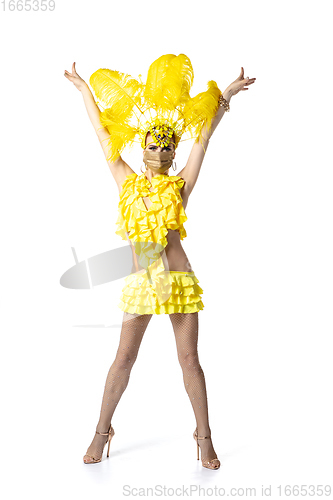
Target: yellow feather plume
(180,80)
(121,95)
(120,132)
(201,109)
(168,82)
(117,90)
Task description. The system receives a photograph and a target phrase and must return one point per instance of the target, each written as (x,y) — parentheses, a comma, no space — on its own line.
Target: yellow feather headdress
(161,106)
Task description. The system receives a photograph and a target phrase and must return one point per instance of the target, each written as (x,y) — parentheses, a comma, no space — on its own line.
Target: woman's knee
(189,360)
(124,361)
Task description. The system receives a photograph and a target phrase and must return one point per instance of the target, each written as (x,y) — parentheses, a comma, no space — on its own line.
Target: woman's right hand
(75,78)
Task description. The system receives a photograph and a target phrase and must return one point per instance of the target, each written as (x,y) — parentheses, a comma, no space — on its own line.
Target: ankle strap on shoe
(200,437)
(106,433)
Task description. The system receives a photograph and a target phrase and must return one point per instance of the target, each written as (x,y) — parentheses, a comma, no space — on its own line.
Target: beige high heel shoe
(110,433)
(209,464)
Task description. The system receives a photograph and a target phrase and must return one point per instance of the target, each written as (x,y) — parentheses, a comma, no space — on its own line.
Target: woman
(150,289)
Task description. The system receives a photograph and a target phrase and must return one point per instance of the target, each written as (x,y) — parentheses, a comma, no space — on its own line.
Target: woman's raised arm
(119,167)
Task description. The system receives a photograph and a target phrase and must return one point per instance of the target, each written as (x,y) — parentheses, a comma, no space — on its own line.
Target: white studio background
(259,239)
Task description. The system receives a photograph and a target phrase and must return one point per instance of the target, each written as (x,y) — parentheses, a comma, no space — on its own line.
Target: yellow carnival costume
(164,108)
(157,291)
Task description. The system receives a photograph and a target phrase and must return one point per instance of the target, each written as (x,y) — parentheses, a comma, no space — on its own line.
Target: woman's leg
(133,328)
(186,328)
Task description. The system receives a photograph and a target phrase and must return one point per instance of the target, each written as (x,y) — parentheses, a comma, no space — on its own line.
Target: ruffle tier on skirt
(163,293)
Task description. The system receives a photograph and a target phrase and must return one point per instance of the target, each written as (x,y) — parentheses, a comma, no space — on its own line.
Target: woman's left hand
(240,83)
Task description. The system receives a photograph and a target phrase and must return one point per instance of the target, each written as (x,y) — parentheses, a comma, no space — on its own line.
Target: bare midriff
(173,255)
(176,257)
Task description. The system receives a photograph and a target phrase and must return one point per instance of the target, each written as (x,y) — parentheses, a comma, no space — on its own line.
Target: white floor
(150,463)
(268,431)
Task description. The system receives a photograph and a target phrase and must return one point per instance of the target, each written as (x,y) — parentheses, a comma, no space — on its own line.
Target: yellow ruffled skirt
(163,293)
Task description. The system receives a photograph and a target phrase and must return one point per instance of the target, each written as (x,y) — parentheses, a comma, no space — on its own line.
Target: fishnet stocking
(186,329)
(133,328)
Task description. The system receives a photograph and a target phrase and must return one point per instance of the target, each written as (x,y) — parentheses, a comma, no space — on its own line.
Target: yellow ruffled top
(166,211)
(147,229)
